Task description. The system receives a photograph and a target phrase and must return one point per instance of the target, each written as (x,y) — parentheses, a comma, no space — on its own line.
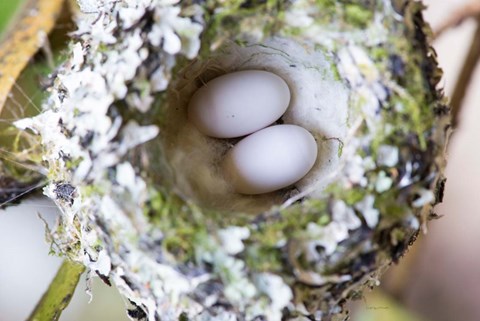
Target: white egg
(239,103)
(270,159)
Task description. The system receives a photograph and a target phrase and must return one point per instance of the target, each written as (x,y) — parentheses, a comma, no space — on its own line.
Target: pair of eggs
(244,103)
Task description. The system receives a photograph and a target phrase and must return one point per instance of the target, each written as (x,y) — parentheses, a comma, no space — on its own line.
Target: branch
(470,10)
(59,293)
(465,75)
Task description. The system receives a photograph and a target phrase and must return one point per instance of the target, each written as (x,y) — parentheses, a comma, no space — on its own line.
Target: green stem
(59,293)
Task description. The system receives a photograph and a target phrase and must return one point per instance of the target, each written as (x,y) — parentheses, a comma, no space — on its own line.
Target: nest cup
(319,103)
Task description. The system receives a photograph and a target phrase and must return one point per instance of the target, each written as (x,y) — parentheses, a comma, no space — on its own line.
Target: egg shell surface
(270,159)
(239,103)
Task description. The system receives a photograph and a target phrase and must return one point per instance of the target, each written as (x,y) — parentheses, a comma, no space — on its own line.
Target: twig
(59,293)
(465,75)
(470,10)
(21,43)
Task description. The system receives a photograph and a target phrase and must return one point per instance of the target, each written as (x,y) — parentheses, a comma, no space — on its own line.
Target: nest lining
(319,104)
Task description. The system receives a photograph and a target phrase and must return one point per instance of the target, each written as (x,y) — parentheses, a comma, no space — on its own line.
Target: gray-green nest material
(166,230)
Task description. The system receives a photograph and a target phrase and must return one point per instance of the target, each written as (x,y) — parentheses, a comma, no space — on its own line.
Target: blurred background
(438,280)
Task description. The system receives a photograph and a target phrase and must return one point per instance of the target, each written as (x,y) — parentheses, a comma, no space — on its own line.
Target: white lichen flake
(106,105)
(232,239)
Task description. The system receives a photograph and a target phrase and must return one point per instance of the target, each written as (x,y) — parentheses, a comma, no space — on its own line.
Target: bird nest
(143,203)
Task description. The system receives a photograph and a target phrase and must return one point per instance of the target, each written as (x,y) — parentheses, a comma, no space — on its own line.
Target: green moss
(328,9)
(73,163)
(181,225)
(414,92)
(290,221)
(358,15)
(389,205)
(379,54)
(237,16)
(183,229)
(183,317)
(263,258)
(354,196)
(326,4)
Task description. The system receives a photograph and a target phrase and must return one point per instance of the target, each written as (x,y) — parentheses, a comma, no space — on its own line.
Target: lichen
(104,125)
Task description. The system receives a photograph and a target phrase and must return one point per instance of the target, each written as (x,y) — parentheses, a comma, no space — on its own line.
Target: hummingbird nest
(142,202)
